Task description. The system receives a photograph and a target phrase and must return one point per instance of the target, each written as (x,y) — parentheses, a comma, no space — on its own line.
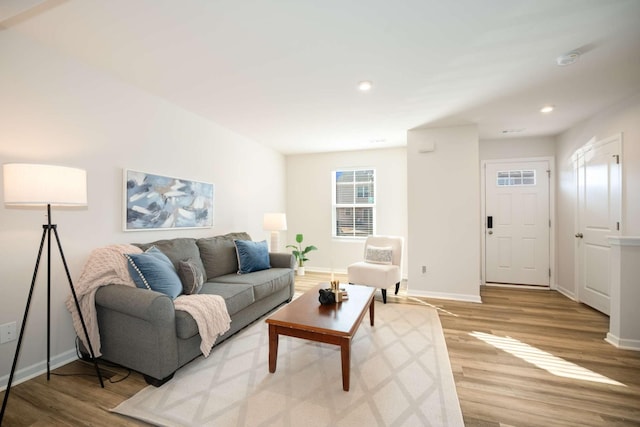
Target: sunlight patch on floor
(547,361)
(422,302)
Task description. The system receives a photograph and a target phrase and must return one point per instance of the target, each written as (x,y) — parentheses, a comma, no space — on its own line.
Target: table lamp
(275,222)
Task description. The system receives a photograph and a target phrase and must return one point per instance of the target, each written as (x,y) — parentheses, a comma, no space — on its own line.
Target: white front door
(598,211)
(517,223)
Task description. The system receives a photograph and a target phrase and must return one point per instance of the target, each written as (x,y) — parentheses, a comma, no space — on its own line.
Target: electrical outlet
(7,332)
(424,269)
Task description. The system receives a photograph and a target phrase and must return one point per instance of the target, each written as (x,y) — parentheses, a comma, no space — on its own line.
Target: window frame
(335,206)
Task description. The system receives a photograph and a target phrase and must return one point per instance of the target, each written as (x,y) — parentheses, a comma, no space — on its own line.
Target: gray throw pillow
(191,276)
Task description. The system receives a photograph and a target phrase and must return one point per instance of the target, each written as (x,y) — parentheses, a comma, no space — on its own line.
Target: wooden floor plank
(495,388)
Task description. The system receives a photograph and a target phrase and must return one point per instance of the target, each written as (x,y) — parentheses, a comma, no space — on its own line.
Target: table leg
(273,348)
(371,311)
(345,353)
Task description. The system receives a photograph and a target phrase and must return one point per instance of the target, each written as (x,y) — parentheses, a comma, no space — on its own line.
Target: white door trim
(552,213)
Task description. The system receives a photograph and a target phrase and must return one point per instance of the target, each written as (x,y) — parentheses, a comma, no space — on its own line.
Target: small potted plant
(301,254)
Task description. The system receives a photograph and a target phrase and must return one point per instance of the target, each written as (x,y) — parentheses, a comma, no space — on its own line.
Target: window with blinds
(354,203)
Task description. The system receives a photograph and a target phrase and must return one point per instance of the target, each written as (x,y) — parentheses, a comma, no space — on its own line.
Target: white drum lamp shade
(275,222)
(34,185)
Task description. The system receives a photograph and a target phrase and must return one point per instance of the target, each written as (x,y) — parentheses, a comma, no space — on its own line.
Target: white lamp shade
(275,221)
(31,184)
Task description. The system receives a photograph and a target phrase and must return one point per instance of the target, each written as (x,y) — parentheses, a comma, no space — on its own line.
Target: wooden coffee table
(336,324)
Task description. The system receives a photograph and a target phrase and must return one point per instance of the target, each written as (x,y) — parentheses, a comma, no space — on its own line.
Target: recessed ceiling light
(365,85)
(546,109)
(568,58)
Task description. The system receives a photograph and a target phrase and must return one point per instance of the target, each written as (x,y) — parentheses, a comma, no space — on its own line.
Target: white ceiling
(284,72)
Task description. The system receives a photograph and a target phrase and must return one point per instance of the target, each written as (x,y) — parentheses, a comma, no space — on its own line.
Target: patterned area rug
(400,376)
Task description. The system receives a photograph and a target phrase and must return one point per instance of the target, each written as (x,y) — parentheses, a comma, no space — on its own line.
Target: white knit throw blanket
(210,314)
(108,266)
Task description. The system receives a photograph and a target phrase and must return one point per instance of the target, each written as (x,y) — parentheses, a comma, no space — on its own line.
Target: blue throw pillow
(252,256)
(154,270)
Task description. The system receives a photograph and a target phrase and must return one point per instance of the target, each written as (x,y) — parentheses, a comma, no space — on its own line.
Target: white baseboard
(443,295)
(325,270)
(511,286)
(566,293)
(621,343)
(29,372)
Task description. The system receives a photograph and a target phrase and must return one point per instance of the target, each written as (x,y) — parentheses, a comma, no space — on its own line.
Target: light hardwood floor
(495,387)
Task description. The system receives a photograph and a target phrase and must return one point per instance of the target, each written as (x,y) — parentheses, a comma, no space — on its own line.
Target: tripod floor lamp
(44,185)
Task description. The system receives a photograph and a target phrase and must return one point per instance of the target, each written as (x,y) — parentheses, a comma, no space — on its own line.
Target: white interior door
(598,211)
(517,223)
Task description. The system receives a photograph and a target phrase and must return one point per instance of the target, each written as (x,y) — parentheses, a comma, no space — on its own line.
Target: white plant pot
(300,271)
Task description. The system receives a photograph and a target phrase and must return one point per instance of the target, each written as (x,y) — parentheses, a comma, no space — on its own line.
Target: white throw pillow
(379,255)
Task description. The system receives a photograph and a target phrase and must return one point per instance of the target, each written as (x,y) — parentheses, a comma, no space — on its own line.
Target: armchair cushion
(379,275)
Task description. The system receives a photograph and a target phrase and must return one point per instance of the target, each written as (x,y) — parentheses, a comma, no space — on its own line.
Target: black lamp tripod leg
(46,232)
(75,299)
(22,327)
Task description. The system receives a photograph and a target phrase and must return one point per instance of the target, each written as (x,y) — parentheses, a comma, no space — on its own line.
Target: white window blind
(354,203)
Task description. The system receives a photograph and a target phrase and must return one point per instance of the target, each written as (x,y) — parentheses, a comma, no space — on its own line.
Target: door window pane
(516,178)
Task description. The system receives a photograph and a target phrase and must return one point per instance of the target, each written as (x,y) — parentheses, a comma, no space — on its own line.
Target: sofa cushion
(191,276)
(218,254)
(236,298)
(263,283)
(178,249)
(252,256)
(153,270)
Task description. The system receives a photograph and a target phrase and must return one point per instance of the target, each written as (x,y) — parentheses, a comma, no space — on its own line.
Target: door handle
(579,235)
(490,231)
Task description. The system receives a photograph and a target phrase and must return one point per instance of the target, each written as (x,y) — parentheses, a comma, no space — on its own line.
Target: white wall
(444,213)
(514,148)
(309,202)
(624,118)
(55,110)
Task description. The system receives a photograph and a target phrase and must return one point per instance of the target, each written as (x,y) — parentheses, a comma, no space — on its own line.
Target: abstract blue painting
(155,202)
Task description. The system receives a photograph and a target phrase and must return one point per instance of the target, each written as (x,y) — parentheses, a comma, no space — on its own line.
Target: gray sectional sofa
(141,330)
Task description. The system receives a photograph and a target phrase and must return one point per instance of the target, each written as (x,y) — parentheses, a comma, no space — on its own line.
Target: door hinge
(549,223)
(617,156)
(618,226)
(549,273)
(549,173)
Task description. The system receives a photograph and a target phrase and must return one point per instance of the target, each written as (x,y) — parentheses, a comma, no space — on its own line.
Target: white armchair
(382,265)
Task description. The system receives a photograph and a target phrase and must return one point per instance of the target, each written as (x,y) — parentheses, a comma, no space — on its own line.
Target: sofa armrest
(282,260)
(141,303)
(138,330)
